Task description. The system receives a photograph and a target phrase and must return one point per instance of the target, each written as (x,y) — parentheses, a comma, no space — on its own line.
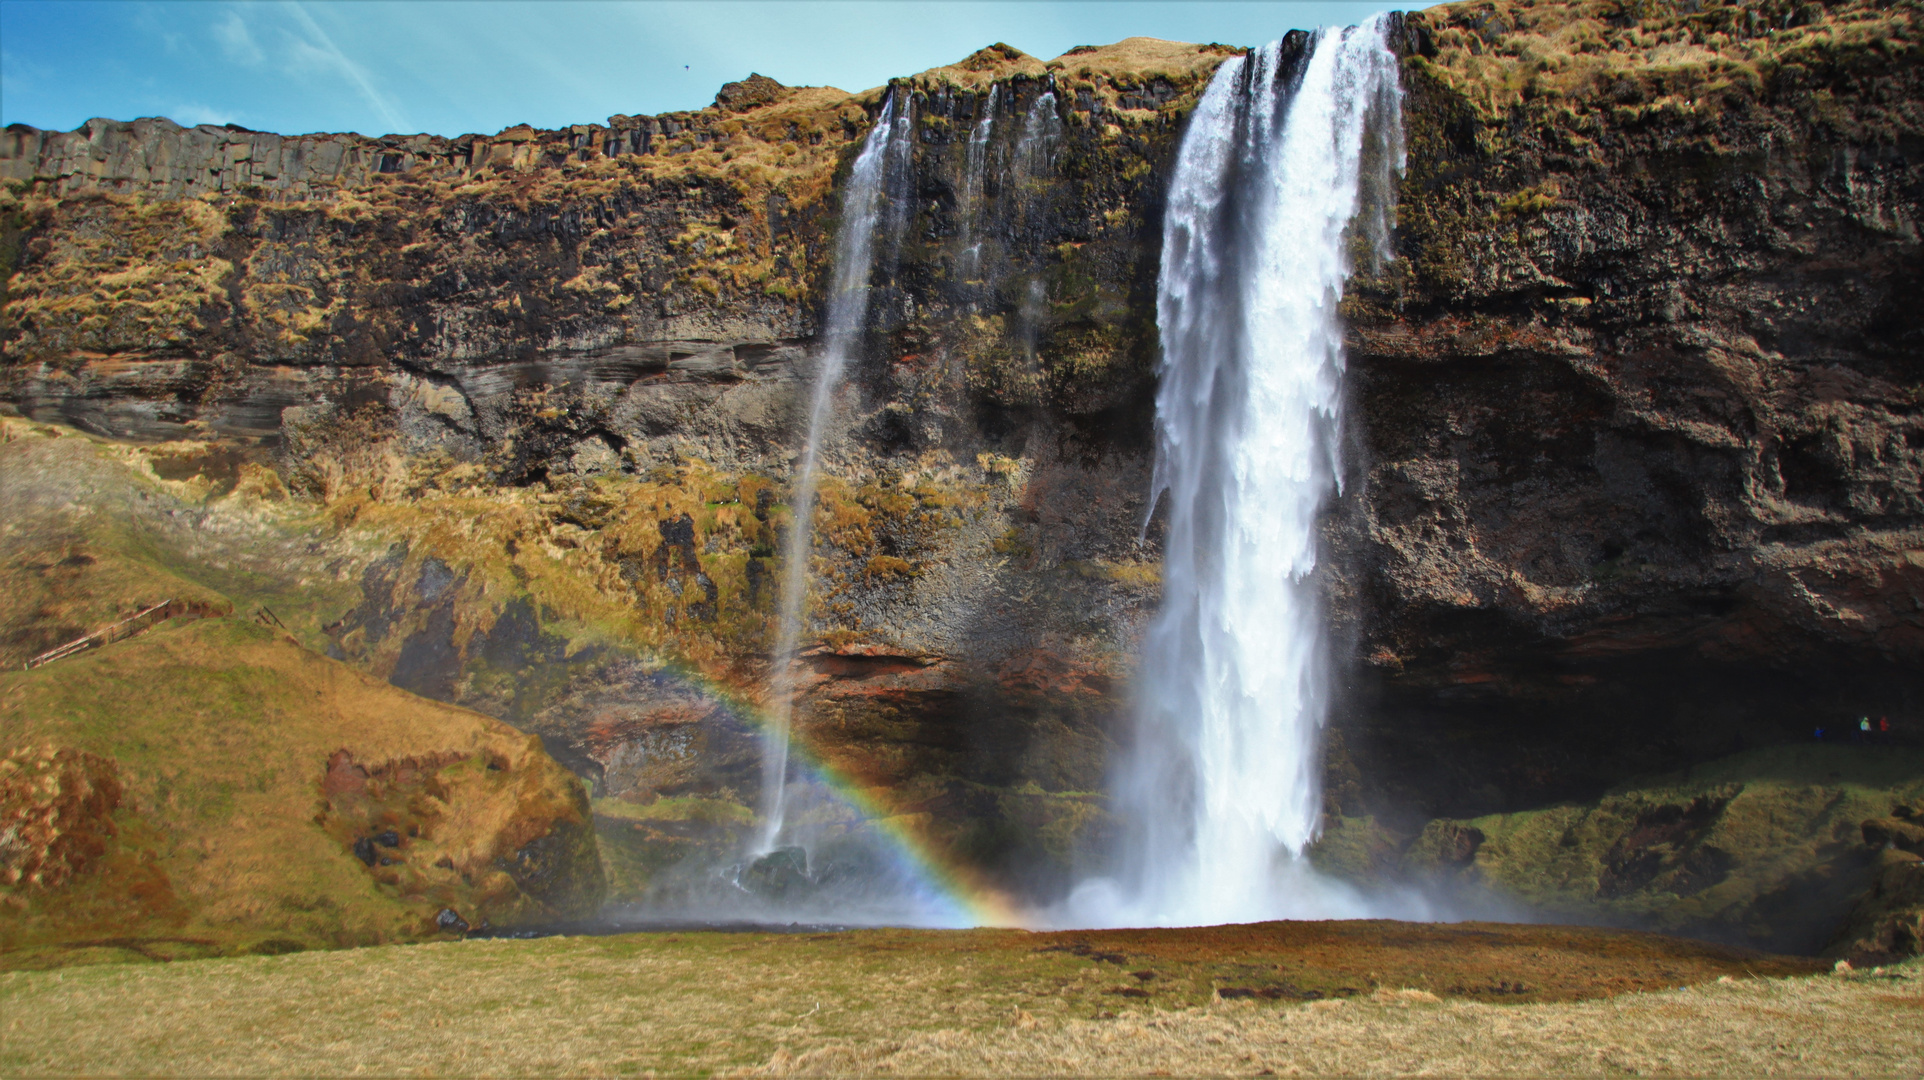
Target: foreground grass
(975,1002)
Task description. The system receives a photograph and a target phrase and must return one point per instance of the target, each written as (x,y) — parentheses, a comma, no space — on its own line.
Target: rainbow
(969,899)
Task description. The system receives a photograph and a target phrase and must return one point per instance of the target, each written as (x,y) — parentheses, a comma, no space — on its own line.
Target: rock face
(1639,468)
(1634,479)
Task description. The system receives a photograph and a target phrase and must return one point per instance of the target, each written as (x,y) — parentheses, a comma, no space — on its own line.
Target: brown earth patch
(1306,961)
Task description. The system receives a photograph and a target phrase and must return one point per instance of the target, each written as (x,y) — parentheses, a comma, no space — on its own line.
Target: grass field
(1298,997)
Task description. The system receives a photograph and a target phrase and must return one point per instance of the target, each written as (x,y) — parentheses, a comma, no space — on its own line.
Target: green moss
(708,810)
(1763,845)
(1354,848)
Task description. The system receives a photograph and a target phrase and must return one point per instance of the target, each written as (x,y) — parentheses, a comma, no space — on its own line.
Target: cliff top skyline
(453,68)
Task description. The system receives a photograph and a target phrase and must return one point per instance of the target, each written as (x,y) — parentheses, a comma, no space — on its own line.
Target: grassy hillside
(232,791)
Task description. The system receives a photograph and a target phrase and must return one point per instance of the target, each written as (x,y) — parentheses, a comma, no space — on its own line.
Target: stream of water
(973,171)
(1220,793)
(848,303)
(1041,134)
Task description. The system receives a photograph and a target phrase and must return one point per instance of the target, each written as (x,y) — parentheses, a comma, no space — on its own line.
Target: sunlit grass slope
(202,788)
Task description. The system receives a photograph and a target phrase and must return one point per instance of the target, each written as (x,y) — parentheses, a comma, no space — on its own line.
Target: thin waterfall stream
(848,304)
(972,181)
(1041,132)
(1221,791)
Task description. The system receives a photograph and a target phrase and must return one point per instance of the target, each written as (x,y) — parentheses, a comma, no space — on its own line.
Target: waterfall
(1041,131)
(847,314)
(897,183)
(1220,790)
(977,164)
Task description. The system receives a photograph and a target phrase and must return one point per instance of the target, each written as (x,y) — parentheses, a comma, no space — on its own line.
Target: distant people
(1864,730)
(1818,733)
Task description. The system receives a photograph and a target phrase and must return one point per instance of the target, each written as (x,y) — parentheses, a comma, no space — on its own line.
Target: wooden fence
(141,620)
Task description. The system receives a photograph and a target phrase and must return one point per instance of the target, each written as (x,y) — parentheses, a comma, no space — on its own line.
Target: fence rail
(141,620)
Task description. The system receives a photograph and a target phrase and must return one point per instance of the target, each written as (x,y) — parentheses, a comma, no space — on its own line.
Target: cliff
(1633,482)
(1641,472)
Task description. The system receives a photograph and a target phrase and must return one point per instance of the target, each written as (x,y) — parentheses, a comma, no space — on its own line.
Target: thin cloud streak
(235,40)
(396,123)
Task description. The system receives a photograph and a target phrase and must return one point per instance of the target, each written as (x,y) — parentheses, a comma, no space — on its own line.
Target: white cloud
(236,41)
(188,115)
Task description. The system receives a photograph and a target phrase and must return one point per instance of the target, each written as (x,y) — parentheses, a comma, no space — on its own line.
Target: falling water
(973,170)
(1221,787)
(897,183)
(1041,132)
(847,313)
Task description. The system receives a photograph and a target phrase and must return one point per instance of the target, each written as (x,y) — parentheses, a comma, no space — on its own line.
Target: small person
(1864,730)
(1818,734)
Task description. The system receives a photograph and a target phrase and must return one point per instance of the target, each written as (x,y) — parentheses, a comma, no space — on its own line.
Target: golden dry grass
(1802,1027)
(1683,57)
(222,731)
(885,1002)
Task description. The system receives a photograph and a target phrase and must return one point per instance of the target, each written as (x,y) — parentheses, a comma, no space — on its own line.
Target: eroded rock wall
(1639,453)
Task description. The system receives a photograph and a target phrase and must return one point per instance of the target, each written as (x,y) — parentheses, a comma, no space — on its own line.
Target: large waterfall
(1220,791)
(848,303)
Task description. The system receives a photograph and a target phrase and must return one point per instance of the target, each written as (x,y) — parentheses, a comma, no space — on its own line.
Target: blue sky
(454,66)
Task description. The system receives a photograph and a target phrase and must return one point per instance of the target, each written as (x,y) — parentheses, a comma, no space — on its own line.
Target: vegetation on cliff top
(744,184)
(1514,107)
(1651,58)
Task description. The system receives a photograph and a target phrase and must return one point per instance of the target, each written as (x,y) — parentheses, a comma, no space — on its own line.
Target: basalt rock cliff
(1633,482)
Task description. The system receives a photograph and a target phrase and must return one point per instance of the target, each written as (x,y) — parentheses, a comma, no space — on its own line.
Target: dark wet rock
(781,874)
(1894,832)
(561,867)
(1887,924)
(451,921)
